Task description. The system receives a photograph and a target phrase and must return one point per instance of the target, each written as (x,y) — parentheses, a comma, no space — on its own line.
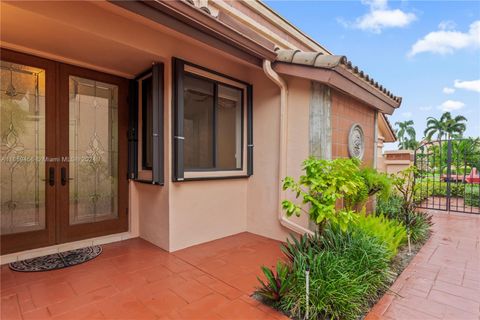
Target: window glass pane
(93,135)
(147,123)
(22,148)
(229,128)
(198,123)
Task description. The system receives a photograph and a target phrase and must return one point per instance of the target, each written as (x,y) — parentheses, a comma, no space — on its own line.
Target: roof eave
(189,20)
(390,136)
(342,80)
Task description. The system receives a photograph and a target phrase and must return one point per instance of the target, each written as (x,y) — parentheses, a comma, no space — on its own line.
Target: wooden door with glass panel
(63,154)
(27,151)
(93,125)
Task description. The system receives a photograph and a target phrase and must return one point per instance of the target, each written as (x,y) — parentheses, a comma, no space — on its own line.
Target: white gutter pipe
(282,157)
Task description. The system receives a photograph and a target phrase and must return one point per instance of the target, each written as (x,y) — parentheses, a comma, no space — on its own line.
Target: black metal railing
(448,177)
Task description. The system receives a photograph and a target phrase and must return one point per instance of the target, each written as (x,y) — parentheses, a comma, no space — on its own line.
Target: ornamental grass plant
(349,258)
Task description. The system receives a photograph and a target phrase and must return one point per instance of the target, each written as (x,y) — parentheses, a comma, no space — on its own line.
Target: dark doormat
(57,260)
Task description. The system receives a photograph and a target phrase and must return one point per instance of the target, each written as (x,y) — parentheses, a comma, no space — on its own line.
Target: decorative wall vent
(356,142)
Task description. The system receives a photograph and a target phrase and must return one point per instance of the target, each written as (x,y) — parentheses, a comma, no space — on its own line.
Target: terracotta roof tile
(319,60)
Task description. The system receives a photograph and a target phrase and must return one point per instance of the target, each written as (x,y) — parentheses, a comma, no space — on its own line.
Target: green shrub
(391,232)
(345,275)
(374,182)
(428,188)
(472,197)
(390,207)
(419,224)
(322,184)
(305,244)
(365,254)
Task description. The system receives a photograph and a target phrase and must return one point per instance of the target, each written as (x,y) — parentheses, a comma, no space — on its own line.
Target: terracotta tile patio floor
(443,279)
(134,279)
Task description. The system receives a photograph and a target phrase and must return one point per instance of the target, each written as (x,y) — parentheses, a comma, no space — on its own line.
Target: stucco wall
(347,111)
(263,186)
(149,204)
(262,197)
(182,214)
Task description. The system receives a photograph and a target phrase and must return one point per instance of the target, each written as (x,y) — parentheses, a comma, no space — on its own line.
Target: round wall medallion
(356,142)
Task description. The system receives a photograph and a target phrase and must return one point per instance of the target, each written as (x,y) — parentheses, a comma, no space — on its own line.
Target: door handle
(63,176)
(51,176)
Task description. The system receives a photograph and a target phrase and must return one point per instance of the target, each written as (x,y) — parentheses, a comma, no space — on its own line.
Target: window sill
(213,178)
(150,182)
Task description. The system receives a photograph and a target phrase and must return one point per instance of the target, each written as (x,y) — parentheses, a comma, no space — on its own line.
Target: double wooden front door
(63,150)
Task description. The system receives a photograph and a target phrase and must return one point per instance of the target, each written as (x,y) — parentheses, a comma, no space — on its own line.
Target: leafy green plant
(420,225)
(277,283)
(405,185)
(472,196)
(419,222)
(374,182)
(391,207)
(320,187)
(303,244)
(345,275)
(377,182)
(392,233)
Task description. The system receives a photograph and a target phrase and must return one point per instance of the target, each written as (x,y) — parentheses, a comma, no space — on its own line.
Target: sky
(427,52)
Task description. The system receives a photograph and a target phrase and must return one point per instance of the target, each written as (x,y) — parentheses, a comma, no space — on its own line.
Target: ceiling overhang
(191,21)
(342,80)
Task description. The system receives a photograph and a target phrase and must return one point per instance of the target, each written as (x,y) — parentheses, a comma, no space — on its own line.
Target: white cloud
(427,108)
(376,20)
(447,40)
(473,85)
(451,105)
(407,114)
(448,90)
(447,25)
(380,17)
(375,4)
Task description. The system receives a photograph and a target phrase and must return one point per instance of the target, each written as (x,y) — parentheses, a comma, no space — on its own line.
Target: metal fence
(448,176)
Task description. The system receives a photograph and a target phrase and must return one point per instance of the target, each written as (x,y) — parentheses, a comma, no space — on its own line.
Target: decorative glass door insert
(93,151)
(22,150)
(63,165)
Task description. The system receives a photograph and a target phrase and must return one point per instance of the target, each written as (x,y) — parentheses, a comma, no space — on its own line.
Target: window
(146,127)
(209,127)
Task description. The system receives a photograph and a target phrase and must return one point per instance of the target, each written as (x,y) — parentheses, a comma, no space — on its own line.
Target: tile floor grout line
(208,273)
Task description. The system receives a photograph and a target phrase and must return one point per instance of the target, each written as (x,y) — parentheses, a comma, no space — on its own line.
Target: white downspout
(282,157)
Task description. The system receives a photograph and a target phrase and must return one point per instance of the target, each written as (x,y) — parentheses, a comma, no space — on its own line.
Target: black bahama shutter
(178,111)
(132,130)
(249,130)
(158,145)
(157,141)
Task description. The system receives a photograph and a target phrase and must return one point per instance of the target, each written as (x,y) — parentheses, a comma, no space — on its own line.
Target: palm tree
(406,128)
(454,127)
(446,125)
(434,126)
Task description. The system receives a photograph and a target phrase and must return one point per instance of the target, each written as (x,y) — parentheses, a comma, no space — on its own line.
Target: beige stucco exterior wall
(175,215)
(262,199)
(262,217)
(397,160)
(380,156)
(299,96)
(182,214)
